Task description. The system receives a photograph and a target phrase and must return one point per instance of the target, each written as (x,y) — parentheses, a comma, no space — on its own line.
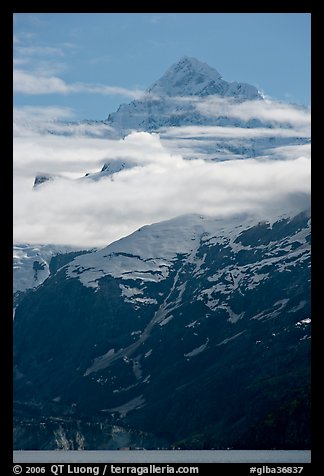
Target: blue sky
(91,62)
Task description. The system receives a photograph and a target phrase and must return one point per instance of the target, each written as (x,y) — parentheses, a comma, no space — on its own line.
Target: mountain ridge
(141,339)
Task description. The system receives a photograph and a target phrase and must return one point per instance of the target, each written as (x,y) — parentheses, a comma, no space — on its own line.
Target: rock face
(40,179)
(194,331)
(35,430)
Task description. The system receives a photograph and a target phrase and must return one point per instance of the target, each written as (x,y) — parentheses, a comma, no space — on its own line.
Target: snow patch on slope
(197,350)
(134,404)
(148,253)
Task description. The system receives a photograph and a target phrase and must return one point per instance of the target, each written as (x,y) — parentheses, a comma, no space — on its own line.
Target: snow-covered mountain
(197,114)
(195,331)
(109,169)
(190,97)
(33,263)
(192,332)
(171,101)
(191,77)
(148,253)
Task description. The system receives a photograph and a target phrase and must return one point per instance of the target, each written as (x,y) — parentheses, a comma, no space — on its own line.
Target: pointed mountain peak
(191,77)
(170,100)
(187,77)
(187,63)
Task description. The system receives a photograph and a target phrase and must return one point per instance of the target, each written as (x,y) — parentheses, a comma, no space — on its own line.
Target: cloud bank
(270,111)
(161,185)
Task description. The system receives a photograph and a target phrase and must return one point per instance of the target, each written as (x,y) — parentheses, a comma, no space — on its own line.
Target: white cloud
(87,213)
(72,156)
(39,51)
(34,83)
(231,132)
(289,152)
(267,110)
(29,83)
(268,128)
(32,121)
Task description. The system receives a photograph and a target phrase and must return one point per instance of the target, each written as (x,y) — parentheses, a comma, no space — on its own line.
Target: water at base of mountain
(165,456)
